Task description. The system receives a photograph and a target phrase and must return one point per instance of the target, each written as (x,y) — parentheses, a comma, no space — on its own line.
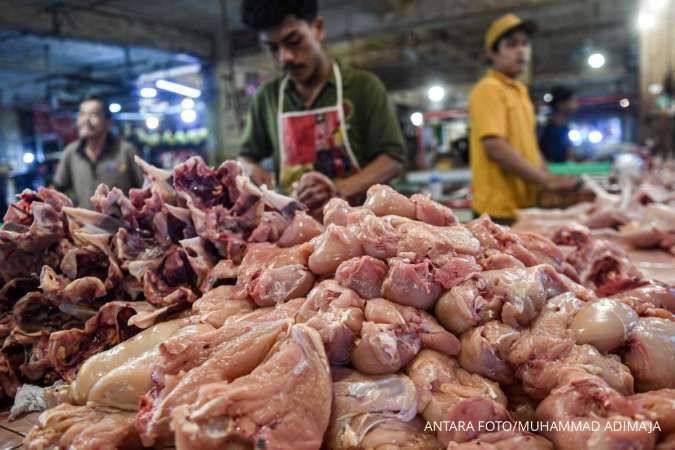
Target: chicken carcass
(435,243)
(217,305)
(284,403)
(336,312)
(504,440)
(484,350)
(651,353)
(604,323)
(524,291)
(467,305)
(270,275)
(246,346)
(602,265)
(450,394)
(83,428)
(658,406)
(655,228)
(302,228)
(393,334)
(455,271)
(364,275)
(334,246)
(431,212)
(651,294)
(362,403)
(378,237)
(590,405)
(99,365)
(411,284)
(392,434)
(123,386)
(384,201)
(542,374)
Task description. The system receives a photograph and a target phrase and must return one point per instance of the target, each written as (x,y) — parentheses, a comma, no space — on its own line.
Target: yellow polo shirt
(501,107)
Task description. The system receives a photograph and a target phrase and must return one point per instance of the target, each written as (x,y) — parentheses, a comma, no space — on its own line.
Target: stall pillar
(225,115)
(657,64)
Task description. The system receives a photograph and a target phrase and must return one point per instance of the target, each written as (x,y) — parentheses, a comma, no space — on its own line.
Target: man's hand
(561,182)
(314,190)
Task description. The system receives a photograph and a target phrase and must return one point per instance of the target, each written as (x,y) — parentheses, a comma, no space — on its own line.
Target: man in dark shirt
(319,115)
(554,141)
(96,157)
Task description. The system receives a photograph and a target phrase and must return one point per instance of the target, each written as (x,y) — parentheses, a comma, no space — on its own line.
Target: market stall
(246,296)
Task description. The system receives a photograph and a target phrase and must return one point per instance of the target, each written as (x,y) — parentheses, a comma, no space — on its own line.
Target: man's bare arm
(382,170)
(501,152)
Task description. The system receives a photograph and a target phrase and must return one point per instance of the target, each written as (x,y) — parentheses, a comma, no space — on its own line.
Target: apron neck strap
(338,85)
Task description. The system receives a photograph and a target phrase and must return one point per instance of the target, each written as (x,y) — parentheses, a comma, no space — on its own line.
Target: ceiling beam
(91,24)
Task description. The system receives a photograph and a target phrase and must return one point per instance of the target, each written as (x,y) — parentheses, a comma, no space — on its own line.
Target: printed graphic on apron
(314,140)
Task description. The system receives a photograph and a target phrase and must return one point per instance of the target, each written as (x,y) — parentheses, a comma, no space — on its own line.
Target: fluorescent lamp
(179,89)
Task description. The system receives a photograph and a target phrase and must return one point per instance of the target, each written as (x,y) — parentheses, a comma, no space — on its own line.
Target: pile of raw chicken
(641,215)
(204,312)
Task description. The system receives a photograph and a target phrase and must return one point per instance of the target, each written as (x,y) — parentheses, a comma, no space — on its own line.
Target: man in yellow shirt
(506,163)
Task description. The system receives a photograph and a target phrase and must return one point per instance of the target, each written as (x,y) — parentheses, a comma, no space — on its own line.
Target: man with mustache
(506,163)
(97,156)
(322,119)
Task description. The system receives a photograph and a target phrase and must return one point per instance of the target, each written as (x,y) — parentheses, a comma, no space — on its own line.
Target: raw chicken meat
(656,228)
(504,440)
(431,212)
(455,271)
(337,314)
(396,435)
(68,349)
(601,265)
(336,245)
(361,403)
(364,275)
(436,243)
(99,365)
(384,201)
(449,393)
(335,212)
(284,403)
(651,353)
(484,350)
(123,386)
(467,305)
(393,334)
(654,294)
(269,274)
(241,348)
(83,428)
(524,291)
(301,229)
(543,374)
(604,323)
(515,294)
(218,304)
(377,236)
(411,284)
(591,404)
(270,228)
(658,406)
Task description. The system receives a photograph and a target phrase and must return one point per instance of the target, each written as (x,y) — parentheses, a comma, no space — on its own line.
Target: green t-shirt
(371,121)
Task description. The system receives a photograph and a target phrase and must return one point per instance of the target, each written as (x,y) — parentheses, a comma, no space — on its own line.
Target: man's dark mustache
(290,67)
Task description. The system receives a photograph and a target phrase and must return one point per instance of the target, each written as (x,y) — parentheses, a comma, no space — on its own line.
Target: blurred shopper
(96,157)
(506,163)
(320,115)
(554,140)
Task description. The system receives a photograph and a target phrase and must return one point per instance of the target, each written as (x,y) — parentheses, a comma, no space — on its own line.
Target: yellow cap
(505,24)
